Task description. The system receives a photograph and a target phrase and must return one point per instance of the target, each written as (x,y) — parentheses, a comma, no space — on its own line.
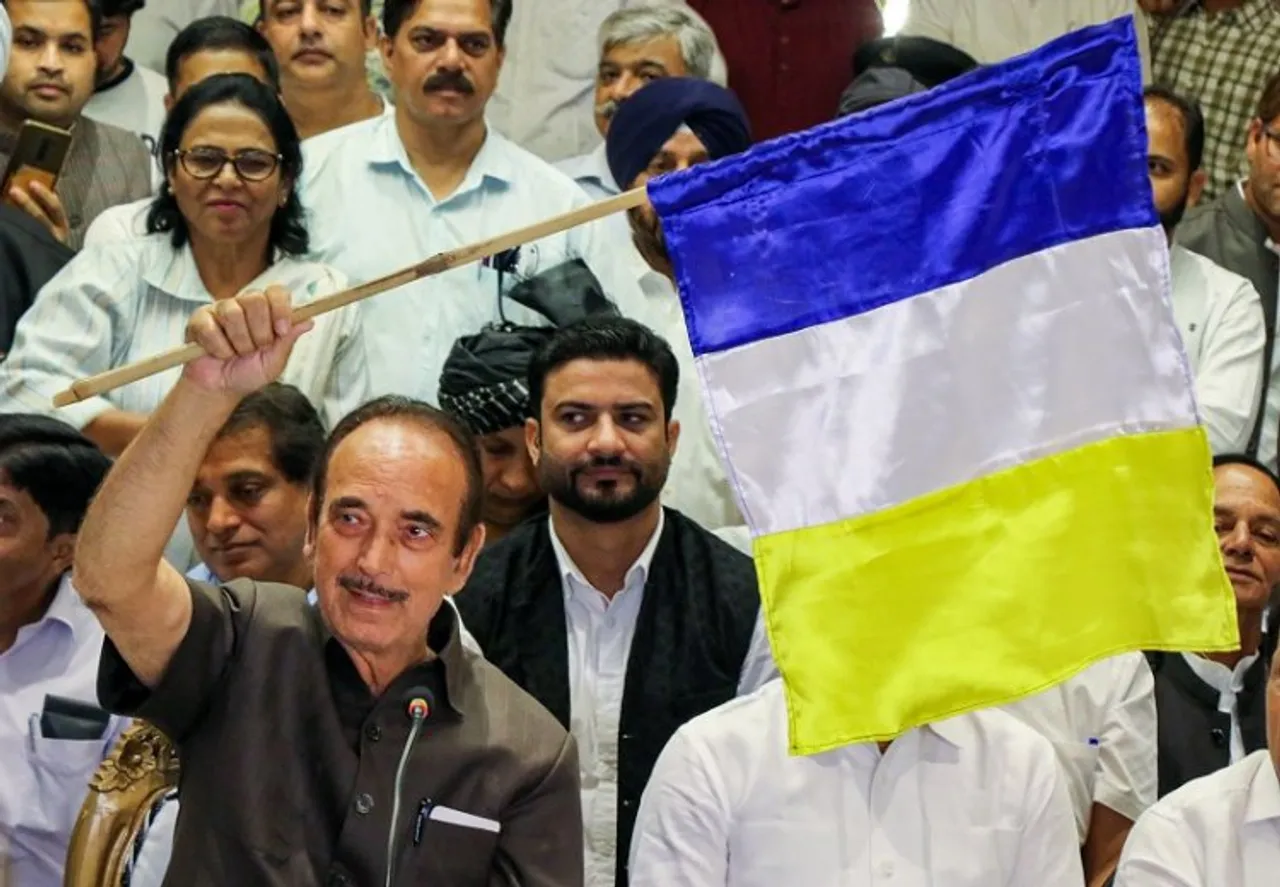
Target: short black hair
(394,12)
(113,8)
(291,423)
(288,225)
(606,338)
(366,9)
(54,464)
(397,408)
(1249,462)
(1192,120)
(219,32)
(95,16)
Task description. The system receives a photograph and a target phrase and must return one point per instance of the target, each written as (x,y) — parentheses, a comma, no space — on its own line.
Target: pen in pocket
(420,823)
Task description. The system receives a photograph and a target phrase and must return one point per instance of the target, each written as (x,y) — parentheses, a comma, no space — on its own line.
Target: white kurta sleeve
(682,829)
(1049,850)
(67,333)
(1229,378)
(1127,772)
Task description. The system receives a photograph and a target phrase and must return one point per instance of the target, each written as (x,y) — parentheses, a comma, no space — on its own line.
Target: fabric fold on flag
(939,357)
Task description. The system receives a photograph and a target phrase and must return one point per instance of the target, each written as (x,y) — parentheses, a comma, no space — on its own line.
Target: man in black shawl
(484,385)
(625,619)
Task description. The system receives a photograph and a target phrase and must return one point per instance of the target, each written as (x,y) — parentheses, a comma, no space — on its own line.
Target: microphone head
(418,702)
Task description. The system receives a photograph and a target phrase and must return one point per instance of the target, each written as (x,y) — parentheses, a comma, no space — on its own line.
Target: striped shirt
(114,305)
(1222,61)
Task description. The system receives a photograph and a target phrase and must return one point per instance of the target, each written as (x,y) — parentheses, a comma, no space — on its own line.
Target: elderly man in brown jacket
(354,742)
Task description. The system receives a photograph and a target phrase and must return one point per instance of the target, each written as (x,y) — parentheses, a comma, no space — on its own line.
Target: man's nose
(377,555)
(1238,540)
(222,517)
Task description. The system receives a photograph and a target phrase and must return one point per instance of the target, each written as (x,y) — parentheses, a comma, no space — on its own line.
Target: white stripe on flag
(1031,358)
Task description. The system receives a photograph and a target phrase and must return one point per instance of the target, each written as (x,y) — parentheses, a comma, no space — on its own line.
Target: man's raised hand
(248,340)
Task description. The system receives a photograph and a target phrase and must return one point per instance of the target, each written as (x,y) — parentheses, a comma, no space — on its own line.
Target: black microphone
(418,702)
(1218,737)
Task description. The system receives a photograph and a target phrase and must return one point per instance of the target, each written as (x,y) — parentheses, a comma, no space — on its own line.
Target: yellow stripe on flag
(995,589)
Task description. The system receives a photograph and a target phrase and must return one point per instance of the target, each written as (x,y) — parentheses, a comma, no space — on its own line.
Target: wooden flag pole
(184,354)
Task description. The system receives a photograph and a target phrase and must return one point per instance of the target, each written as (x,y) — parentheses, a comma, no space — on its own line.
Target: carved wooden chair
(124,794)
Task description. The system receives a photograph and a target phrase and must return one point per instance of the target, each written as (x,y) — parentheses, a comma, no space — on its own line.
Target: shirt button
(364,803)
(627,803)
(885,869)
(373,732)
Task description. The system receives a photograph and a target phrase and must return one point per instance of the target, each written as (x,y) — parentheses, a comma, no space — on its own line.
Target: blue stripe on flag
(1012,159)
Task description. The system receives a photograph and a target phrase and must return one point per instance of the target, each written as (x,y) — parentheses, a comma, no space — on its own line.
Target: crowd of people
(451,586)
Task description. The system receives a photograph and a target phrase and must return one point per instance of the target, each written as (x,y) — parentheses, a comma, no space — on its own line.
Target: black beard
(1171,218)
(604,507)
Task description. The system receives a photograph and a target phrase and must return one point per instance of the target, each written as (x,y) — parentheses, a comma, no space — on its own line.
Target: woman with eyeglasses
(226,220)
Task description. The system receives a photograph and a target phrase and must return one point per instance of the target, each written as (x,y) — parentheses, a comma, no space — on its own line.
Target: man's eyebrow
(419,516)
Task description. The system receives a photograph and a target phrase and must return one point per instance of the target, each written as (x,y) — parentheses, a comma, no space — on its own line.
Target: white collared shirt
(1102,724)
(591,172)
(995,30)
(370,215)
(974,801)
(697,484)
(112,305)
(152,28)
(44,781)
(1219,315)
(600,632)
(1229,683)
(1222,830)
(135,104)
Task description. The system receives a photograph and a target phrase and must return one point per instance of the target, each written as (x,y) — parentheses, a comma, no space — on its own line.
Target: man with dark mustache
(50,80)
(436,176)
(350,742)
(623,618)
(322,47)
(1211,707)
(1218,312)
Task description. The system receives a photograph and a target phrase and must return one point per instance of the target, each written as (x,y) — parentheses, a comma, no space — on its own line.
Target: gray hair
(698,46)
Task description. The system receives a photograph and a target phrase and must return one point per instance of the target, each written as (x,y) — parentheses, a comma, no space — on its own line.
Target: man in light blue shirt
(52,733)
(390,192)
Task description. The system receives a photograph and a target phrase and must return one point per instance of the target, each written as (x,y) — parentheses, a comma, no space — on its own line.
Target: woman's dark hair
(288,227)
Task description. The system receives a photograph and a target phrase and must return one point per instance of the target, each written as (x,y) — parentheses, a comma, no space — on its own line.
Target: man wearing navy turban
(669,125)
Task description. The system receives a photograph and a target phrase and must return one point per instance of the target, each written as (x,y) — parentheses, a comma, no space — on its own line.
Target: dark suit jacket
(29,257)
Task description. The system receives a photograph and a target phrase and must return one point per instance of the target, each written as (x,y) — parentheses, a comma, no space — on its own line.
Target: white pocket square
(466,820)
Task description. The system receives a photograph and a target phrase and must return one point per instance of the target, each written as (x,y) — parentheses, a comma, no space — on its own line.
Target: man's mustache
(608,108)
(606,462)
(368,586)
(454,80)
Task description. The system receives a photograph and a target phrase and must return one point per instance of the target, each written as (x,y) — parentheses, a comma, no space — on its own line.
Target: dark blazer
(29,257)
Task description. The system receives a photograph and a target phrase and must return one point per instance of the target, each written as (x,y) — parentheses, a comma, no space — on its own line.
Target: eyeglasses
(251,165)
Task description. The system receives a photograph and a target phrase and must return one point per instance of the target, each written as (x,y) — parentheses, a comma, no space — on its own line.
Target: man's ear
(533,440)
(466,561)
(673,436)
(1195,188)
(371,33)
(63,549)
(313,520)
(168,103)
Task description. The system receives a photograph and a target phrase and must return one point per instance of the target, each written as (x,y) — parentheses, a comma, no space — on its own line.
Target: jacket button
(337,879)
(364,803)
(373,732)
